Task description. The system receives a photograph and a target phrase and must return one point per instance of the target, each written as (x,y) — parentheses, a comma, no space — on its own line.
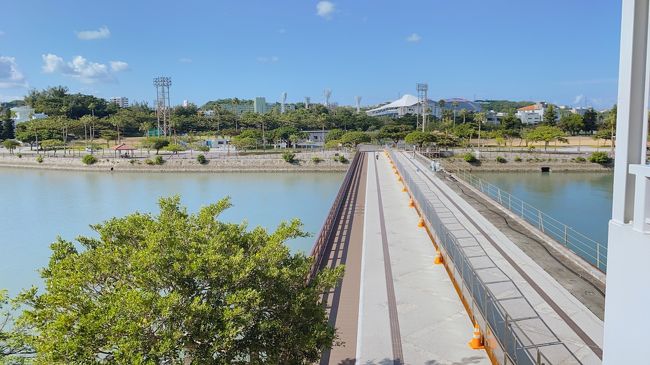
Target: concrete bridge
(429,261)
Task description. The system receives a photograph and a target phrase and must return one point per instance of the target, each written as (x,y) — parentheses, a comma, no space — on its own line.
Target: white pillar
(627,300)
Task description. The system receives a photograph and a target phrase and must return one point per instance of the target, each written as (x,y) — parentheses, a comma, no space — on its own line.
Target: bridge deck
(405,309)
(568,320)
(394,306)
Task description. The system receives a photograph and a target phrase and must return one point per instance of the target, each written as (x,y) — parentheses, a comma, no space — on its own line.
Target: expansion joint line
(396,339)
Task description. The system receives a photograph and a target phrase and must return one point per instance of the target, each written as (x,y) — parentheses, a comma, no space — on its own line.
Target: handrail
(326,231)
(512,333)
(592,251)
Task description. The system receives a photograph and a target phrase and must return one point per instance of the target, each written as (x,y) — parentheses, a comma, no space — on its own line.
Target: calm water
(39,205)
(580,200)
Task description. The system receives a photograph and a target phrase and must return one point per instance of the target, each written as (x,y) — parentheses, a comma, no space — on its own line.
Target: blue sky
(562,51)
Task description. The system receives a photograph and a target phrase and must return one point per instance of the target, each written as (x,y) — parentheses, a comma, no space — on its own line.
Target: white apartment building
(121,101)
(531,114)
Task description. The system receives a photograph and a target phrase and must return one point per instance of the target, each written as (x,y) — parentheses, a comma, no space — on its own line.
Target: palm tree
(454,104)
(479,118)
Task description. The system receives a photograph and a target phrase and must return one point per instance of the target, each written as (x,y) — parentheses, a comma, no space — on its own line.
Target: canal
(38,205)
(580,200)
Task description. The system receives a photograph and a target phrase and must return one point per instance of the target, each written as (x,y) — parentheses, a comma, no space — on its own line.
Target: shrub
(517,159)
(580,159)
(20,155)
(469,157)
(289,157)
(39,159)
(201,159)
(316,159)
(148,161)
(501,159)
(342,159)
(89,159)
(203,148)
(600,158)
(132,161)
(158,160)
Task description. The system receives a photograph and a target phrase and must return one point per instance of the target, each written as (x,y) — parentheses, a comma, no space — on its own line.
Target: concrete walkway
(569,320)
(409,311)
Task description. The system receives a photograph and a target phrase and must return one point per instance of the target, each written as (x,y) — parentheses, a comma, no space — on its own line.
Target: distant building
(580,110)
(315,138)
(259,105)
(532,114)
(25,113)
(492,117)
(185,103)
(407,104)
(121,101)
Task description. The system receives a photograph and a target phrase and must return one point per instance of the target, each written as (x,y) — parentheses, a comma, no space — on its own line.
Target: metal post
(541,225)
(566,243)
(597,255)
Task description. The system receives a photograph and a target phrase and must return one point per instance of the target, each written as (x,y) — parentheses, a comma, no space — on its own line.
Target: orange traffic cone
(403,188)
(477,340)
(437,259)
(411,202)
(421,222)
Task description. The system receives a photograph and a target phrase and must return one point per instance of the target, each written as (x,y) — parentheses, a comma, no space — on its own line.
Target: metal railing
(318,251)
(594,252)
(521,333)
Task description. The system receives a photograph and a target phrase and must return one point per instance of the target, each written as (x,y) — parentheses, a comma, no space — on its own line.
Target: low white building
(407,104)
(26,113)
(531,114)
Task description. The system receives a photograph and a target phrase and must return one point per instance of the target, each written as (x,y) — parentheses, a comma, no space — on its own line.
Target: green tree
(419,138)
(571,123)
(156,143)
(589,119)
(244,143)
(334,134)
(175,148)
(550,115)
(394,132)
(546,134)
(10,144)
(354,138)
(180,288)
(8,129)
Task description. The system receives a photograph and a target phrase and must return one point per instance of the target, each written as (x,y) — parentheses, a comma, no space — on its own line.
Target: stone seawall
(257,163)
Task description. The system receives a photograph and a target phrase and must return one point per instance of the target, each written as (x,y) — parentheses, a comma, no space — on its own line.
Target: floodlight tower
(307,101)
(284,101)
(328,94)
(163,103)
(424,103)
(358,100)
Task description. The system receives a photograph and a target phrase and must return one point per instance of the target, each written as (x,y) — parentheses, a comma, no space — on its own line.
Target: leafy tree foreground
(177,288)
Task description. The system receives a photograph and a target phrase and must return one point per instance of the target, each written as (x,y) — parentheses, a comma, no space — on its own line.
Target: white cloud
(413,38)
(118,66)
(80,68)
(268,59)
(88,35)
(185,60)
(578,99)
(10,75)
(325,9)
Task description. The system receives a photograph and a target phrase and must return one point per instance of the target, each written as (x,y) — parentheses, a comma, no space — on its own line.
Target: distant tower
(358,100)
(423,99)
(328,94)
(284,101)
(163,103)
(307,101)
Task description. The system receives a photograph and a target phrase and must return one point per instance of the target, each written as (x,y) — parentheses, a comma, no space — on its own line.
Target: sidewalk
(429,324)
